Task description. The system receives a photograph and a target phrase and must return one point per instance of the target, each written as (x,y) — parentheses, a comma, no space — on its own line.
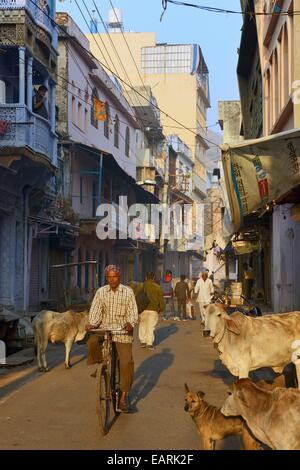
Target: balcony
(179,146)
(199,184)
(40,12)
(26,129)
(146,159)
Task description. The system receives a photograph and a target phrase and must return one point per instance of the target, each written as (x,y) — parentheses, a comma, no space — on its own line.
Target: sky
(218,34)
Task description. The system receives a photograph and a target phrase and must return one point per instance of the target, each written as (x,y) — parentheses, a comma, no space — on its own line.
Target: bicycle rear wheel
(103,398)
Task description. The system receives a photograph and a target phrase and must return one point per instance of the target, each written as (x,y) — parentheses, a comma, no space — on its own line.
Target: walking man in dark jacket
(182,293)
(166,285)
(148,318)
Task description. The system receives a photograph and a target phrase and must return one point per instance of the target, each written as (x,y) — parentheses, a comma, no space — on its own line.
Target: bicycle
(108,379)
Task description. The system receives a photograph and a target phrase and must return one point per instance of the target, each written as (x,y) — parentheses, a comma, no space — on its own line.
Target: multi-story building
(182,252)
(269,70)
(28,149)
(278,39)
(249,71)
(166,68)
(98,165)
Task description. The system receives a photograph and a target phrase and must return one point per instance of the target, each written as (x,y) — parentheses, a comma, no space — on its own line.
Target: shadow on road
(221,372)
(148,373)
(55,357)
(164,332)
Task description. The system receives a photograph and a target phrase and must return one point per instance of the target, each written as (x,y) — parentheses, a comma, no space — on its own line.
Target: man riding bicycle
(114,307)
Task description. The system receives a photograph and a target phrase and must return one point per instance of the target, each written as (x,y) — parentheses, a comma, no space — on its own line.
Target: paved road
(57,410)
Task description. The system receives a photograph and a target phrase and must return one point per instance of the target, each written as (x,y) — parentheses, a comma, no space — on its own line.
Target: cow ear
(201,394)
(241,396)
(232,326)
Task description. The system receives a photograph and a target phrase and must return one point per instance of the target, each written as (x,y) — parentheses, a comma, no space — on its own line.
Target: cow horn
(186,388)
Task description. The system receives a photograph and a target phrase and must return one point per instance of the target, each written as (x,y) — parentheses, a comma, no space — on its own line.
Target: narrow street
(57,410)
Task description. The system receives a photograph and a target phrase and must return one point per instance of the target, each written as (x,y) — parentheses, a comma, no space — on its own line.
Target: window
(94,121)
(285,78)
(116,131)
(167,59)
(127,142)
(107,120)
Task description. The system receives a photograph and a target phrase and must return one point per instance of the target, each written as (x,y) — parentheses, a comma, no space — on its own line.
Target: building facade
(268,69)
(28,149)
(99,161)
(166,68)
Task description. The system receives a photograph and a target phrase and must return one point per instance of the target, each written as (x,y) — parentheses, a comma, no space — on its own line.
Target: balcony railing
(39,10)
(199,184)
(26,129)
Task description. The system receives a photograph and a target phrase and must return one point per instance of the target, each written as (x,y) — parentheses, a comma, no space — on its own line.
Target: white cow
(66,327)
(246,344)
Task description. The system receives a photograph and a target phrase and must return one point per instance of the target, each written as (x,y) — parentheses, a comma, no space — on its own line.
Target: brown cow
(272,416)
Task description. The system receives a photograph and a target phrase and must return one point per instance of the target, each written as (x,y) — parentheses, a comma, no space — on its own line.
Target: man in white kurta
(204,289)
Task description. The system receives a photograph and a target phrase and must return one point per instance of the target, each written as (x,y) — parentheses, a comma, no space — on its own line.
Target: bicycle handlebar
(107,330)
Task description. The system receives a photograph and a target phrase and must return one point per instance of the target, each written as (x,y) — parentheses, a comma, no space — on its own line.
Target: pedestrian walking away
(168,293)
(204,289)
(114,307)
(149,317)
(249,280)
(182,293)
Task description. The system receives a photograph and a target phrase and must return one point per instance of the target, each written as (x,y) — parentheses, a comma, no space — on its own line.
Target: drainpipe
(100,179)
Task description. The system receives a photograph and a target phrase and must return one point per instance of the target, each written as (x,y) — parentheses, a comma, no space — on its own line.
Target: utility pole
(165,200)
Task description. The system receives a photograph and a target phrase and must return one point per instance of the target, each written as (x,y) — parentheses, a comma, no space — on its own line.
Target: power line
(114,48)
(123,81)
(277,10)
(88,101)
(105,28)
(92,19)
(128,47)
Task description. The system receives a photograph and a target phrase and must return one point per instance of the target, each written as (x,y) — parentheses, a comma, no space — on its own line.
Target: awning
(259,172)
(110,164)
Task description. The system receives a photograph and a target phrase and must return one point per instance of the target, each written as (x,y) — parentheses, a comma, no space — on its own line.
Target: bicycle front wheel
(116,391)
(103,399)
(115,380)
